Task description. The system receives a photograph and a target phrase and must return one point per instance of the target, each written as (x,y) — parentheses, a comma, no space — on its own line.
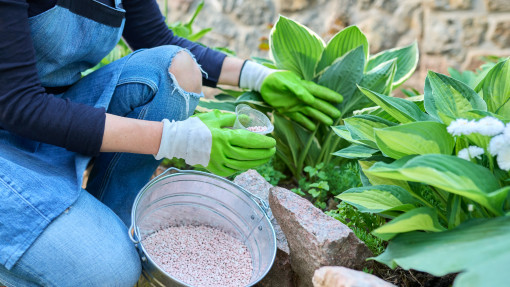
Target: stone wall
(452,33)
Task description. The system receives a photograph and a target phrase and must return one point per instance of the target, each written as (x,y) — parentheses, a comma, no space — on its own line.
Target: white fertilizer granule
(200,256)
(257,129)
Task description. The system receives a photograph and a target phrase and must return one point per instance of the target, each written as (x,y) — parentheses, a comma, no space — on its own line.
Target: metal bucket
(191,197)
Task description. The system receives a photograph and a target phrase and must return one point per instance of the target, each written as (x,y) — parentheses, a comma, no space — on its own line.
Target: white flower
(461,127)
(497,144)
(489,126)
(506,132)
(471,153)
(504,159)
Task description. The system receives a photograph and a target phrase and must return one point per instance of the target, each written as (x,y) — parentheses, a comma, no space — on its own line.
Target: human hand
(205,141)
(300,100)
(303,101)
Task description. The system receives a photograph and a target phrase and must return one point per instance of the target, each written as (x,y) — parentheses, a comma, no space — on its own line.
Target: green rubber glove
(305,102)
(234,150)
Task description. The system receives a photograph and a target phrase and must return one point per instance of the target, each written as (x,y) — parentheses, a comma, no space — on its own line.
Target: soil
(411,278)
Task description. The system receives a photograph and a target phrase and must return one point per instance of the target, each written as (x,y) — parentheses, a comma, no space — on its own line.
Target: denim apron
(39,181)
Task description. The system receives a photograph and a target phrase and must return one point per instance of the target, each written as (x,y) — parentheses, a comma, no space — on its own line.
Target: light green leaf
(266,62)
(356,152)
(479,249)
(407,60)
(213,104)
(343,75)
(375,180)
(403,110)
(384,199)
(198,35)
(447,99)
(362,128)
(446,172)
(296,48)
(414,138)
(495,88)
(343,42)
(344,133)
(423,218)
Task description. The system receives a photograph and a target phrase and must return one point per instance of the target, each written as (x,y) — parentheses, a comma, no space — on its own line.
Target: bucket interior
(199,199)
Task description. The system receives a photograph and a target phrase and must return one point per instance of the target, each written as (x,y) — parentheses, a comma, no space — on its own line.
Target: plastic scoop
(252,120)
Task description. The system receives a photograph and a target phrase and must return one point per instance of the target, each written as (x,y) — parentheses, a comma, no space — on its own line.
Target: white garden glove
(204,140)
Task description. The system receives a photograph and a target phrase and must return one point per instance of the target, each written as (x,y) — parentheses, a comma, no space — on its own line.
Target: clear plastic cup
(252,120)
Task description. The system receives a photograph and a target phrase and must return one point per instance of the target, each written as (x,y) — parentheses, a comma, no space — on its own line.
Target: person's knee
(186,72)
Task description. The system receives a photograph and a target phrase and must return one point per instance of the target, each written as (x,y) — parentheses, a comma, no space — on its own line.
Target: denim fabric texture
(146,90)
(85,246)
(38,182)
(61,61)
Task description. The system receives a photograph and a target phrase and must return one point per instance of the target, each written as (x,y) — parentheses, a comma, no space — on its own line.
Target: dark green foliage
(324,181)
(361,224)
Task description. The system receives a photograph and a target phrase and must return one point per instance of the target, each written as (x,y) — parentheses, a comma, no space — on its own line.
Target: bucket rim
(172,171)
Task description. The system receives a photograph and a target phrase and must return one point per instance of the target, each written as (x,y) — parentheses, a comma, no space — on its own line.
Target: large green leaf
(384,199)
(355,152)
(414,138)
(296,48)
(479,249)
(407,60)
(254,99)
(495,88)
(379,80)
(288,145)
(343,42)
(403,110)
(344,74)
(423,218)
(448,173)
(447,99)
(362,128)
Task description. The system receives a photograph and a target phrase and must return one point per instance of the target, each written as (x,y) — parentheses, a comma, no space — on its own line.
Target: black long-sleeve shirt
(25,107)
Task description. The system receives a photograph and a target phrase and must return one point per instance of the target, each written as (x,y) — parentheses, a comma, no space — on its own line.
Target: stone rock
(501,34)
(281,273)
(442,36)
(315,239)
(451,4)
(255,12)
(344,277)
(294,5)
(498,5)
(473,30)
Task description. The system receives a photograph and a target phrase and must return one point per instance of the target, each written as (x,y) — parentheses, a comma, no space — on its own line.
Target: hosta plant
(341,64)
(437,167)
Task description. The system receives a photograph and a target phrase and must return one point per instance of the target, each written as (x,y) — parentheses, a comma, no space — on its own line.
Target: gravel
(201,256)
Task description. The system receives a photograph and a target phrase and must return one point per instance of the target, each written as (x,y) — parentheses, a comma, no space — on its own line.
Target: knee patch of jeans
(162,96)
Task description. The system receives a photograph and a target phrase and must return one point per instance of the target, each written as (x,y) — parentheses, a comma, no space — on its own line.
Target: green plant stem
(440,195)
(326,147)
(304,152)
(491,160)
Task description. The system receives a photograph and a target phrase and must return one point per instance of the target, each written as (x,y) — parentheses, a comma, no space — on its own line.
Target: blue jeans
(88,245)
